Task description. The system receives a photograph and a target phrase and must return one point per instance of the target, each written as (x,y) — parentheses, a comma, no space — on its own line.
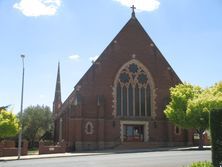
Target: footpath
(100,152)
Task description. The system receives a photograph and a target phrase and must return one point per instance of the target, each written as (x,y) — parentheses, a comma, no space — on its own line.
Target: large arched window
(132,91)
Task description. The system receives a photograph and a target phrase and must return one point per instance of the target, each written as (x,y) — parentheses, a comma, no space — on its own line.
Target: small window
(89,128)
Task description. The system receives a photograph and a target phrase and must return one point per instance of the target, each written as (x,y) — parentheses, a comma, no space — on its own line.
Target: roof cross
(133,10)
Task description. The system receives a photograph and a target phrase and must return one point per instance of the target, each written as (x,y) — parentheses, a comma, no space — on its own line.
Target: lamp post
(20,134)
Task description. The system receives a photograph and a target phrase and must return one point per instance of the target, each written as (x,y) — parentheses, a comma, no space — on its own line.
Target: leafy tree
(4,107)
(190,106)
(9,124)
(198,109)
(210,98)
(177,110)
(37,120)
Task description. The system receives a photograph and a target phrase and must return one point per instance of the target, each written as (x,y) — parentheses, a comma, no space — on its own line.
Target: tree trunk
(201,142)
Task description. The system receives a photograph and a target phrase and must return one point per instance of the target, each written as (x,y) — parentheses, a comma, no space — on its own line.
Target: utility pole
(20,133)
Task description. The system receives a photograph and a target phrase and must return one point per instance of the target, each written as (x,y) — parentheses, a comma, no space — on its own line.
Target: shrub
(9,124)
(201,164)
(216,135)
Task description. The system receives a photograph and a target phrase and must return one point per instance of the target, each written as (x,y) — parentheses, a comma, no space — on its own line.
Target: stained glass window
(124,101)
(133,68)
(130,100)
(133,92)
(118,99)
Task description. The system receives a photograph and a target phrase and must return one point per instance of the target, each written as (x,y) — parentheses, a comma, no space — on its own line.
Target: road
(142,159)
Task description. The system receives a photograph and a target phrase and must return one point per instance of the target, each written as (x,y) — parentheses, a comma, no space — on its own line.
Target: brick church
(119,102)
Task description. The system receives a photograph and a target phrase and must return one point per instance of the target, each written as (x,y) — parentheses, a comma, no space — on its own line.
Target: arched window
(132,91)
(89,129)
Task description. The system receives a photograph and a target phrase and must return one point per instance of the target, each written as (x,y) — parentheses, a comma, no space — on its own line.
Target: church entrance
(133,133)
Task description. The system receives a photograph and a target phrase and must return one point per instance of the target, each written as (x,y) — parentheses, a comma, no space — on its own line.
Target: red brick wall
(52,149)
(99,80)
(7,148)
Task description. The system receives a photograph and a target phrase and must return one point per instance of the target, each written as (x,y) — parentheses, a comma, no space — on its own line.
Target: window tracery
(132,92)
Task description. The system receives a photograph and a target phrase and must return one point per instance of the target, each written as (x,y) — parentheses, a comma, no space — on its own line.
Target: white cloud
(141,5)
(74,57)
(38,7)
(42,96)
(93,59)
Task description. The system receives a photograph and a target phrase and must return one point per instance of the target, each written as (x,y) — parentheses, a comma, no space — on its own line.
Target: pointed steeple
(57,99)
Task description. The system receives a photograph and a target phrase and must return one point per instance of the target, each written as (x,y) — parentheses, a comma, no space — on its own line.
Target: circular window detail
(142,78)
(89,128)
(133,68)
(124,78)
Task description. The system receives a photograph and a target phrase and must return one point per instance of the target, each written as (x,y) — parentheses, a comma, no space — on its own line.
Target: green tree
(37,120)
(9,124)
(198,109)
(177,110)
(190,106)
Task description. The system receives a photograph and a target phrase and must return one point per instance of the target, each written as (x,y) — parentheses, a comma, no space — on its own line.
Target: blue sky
(187,32)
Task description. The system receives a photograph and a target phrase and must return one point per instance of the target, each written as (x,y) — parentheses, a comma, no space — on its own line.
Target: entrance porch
(134,131)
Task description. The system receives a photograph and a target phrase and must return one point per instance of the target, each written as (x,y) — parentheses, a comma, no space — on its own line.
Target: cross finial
(133,10)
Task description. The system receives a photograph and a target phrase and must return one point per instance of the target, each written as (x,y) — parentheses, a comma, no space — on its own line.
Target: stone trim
(150,82)
(146,128)
(89,128)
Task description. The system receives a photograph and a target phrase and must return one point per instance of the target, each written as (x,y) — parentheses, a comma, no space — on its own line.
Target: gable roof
(128,39)
(131,35)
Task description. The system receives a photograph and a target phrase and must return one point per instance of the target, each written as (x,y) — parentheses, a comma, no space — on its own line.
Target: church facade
(121,98)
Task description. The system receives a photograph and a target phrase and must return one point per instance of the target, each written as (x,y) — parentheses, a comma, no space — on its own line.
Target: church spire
(133,11)
(57,99)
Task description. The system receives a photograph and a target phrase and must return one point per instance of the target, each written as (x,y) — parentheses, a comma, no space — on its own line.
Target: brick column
(100,122)
(24,147)
(78,129)
(100,133)
(170,133)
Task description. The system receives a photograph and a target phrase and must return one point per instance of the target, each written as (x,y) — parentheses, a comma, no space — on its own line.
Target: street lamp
(20,133)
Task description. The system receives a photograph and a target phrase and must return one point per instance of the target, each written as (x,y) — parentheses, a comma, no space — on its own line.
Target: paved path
(139,159)
(103,152)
